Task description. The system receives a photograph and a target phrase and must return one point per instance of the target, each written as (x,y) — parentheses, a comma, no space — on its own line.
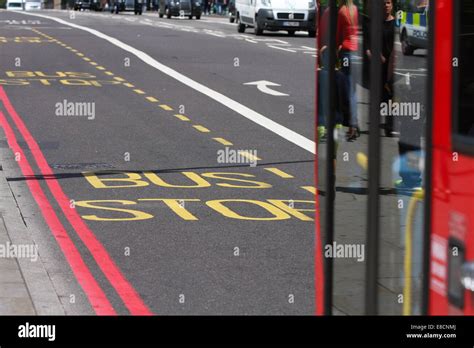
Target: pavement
(25,285)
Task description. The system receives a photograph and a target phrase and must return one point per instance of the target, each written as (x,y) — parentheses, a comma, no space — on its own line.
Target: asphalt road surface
(154,171)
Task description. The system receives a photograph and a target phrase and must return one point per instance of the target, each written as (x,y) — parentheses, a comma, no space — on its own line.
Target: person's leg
(323,99)
(342,109)
(353,92)
(348,90)
(323,103)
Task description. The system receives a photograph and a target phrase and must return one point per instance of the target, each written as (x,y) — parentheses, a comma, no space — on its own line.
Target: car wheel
(168,13)
(312,33)
(258,30)
(190,17)
(198,17)
(231,19)
(407,50)
(291,32)
(161,15)
(240,26)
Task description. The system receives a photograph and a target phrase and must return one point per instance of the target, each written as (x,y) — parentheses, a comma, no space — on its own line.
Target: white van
(28,5)
(274,15)
(32,5)
(16,5)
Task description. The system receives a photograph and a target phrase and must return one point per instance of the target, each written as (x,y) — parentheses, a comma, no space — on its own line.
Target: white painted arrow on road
(263,87)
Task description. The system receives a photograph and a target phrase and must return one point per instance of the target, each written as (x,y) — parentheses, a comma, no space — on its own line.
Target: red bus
(452,161)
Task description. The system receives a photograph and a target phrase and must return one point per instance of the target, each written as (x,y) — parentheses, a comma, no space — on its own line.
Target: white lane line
(214,33)
(416,70)
(281,48)
(405,75)
(243,110)
(218,22)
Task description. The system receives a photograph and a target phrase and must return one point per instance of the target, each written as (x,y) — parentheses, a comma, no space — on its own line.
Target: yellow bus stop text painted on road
(135,180)
(269,210)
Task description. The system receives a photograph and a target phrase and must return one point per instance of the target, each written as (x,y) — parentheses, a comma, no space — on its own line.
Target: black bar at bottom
(136,331)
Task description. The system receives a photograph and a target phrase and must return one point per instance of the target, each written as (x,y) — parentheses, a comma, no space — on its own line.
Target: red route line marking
(95,294)
(125,290)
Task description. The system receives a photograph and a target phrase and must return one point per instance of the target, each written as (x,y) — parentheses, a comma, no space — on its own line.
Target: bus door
(372,111)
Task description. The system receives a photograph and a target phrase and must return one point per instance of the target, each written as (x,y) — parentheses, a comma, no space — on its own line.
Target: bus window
(402,179)
(463,123)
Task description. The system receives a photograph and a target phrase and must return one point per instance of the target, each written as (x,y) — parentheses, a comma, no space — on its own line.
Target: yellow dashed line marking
(166,107)
(182,117)
(249,156)
(201,128)
(223,141)
(152,99)
(280,173)
(310,189)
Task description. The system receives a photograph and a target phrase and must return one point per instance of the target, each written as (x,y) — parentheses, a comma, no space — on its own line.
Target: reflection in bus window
(414,6)
(465,112)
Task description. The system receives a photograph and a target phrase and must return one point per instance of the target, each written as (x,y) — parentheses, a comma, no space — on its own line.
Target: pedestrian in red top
(347,44)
